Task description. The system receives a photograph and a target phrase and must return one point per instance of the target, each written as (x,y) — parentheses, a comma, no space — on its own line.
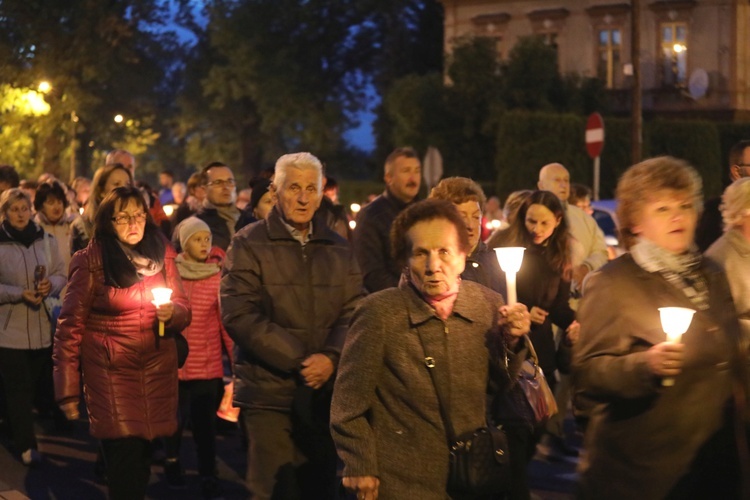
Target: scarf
(142,264)
(443,303)
(230,214)
(681,271)
(26,236)
(125,266)
(191,270)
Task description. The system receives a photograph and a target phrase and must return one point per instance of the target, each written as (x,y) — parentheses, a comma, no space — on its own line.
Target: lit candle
(161,296)
(674,321)
(510,259)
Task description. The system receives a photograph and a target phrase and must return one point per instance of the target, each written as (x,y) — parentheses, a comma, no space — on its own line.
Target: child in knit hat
(201,376)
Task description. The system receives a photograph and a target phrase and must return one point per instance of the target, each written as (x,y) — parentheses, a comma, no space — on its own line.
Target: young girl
(200,377)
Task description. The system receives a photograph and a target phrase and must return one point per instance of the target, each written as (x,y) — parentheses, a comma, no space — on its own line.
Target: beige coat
(643,437)
(732,253)
(385,416)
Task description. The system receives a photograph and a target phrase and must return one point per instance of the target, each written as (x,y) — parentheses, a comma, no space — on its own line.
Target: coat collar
(277,229)
(420,311)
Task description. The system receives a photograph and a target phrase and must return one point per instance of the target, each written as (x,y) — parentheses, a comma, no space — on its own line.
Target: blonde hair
(735,203)
(459,190)
(641,181)
(9,197)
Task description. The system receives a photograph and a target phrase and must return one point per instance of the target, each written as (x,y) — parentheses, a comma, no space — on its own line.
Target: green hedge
(527,141)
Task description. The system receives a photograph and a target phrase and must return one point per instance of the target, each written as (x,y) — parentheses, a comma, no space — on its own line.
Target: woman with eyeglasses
(109,328)
(28,274)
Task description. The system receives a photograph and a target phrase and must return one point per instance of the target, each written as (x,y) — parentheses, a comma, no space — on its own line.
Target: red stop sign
(594,135)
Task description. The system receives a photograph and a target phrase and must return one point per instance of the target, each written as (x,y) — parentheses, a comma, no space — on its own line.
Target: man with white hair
(289,287)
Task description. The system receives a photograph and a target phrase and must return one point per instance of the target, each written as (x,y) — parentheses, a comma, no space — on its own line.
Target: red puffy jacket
(206,334)
(129,372)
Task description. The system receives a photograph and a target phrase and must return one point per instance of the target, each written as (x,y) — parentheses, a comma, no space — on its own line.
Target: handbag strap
(443,402)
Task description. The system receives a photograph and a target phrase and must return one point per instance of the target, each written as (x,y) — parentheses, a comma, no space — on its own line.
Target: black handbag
(479,461)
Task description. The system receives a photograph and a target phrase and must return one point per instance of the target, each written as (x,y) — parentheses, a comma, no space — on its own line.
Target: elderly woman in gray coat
(732,250)
(385,416)
(648,439)
(25,329)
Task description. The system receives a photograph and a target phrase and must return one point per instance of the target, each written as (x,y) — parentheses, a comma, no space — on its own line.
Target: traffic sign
(594,135)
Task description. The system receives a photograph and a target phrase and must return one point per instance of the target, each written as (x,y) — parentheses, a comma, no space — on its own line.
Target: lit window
(674,53)
(609,66)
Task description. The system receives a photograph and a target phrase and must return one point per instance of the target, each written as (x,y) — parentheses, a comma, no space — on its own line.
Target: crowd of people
(356,351)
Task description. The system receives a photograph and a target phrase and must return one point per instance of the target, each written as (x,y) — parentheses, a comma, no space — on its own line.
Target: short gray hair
(735,202)
(9,197)
(301,161)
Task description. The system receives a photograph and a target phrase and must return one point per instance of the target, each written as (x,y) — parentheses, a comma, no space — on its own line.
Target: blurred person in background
(50,204)
(82,187)
(332,212)
(108,337)
(243,198)
(29,187)
(166,180)
(403,175)
(648,439)
(8,178)
(179,192)
(468,198)
(732,250)
(26,338)
(106,179)
(196,193)
(580,196)
(261,202)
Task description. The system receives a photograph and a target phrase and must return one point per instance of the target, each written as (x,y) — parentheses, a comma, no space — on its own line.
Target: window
(674,53)
(609,66)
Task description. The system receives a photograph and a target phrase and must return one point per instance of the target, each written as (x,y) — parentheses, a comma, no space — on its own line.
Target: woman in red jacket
(201,376)
(109,328)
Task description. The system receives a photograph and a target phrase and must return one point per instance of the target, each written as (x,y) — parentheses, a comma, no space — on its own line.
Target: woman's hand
(665,359)
(538,315)
(516,319)
(573,332)
(165,312)
(31,297)
(44,287)
(366,487)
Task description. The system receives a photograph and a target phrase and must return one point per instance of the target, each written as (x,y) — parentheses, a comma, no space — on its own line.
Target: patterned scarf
(443,303)
(191,270)
(681,271)
(230,214)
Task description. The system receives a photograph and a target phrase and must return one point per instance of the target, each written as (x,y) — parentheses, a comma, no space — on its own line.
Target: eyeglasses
(124,219)
(220,183)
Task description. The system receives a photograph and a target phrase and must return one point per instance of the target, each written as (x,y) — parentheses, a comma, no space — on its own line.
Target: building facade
(695,54)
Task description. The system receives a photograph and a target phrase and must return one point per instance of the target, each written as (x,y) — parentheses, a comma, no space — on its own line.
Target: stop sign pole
(594,145)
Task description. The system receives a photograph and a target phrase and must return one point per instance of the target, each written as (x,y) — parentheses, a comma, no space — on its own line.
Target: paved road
(67,471)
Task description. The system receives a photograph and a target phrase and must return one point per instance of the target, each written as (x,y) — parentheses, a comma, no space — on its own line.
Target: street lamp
(44,87)
(118,118)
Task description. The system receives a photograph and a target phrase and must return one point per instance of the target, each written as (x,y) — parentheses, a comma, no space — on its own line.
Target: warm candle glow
(510,258)
(161,296)
(675,321)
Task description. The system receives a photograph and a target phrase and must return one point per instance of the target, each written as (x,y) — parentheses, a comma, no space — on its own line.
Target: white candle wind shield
(674,321)
(510,259)
(161,296)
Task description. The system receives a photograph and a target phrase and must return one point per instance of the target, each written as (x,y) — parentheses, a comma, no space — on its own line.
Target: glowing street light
(118,118)
(44,87)
(678,47)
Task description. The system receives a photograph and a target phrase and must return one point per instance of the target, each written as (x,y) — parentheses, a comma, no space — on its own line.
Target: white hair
(735,203)
(301,161)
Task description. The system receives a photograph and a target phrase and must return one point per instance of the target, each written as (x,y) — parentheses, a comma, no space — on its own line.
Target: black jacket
(372,242)
(282,302)
(710,226)
(482,267)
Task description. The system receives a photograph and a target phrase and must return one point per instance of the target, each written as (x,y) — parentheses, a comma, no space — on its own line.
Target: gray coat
(23,326)
(385,416)
(643,437)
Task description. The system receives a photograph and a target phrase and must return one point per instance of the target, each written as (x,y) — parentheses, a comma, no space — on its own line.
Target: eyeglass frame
(127,220)
(222,183)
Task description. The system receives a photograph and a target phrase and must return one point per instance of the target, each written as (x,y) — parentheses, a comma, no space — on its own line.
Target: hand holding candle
(674,321)
(510,259)
(162,296)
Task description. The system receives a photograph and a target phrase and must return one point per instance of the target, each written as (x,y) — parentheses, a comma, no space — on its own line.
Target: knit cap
(189,227)
(260,187)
